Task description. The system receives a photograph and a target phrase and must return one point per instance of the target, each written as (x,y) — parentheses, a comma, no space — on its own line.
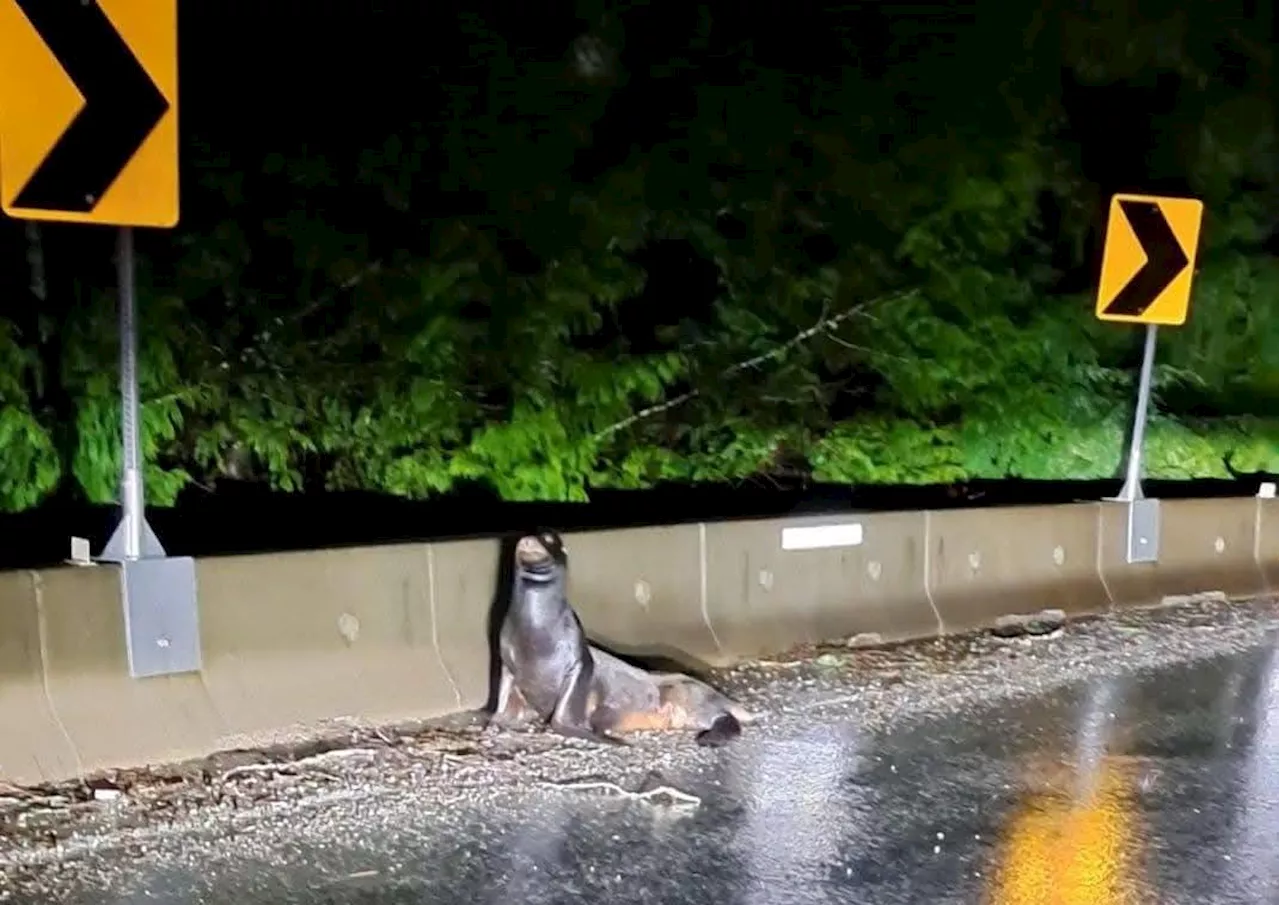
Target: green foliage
(1225,358)
(892,291)
(879,450)
(29,468)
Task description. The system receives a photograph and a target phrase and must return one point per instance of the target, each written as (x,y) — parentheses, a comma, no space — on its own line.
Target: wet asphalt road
(1158,787)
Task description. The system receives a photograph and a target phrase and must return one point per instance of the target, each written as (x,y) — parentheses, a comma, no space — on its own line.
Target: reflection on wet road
(1159,788)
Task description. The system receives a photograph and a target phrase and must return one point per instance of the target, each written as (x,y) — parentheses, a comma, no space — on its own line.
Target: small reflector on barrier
(80,552)
(816,537)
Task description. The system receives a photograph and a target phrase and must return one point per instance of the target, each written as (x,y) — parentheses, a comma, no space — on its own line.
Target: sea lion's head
(541,551)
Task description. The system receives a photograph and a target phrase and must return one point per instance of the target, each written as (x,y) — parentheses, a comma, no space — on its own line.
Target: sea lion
(549,670)
(546,664)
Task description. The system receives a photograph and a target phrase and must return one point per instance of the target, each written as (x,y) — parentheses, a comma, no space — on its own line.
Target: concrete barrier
(463,591)
(296,639)
(110,718)
(33,743)
(760,597)
(1266,546)
(639,591)
(997,562)
(293,642)
(1205,545)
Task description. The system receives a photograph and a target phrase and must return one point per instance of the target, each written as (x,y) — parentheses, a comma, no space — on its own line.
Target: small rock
(827,661)
(106,794)
(1046,622)
(865,639)
(1016,625)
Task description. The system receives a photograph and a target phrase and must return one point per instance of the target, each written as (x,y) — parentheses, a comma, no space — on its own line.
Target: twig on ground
(447,759)
(311,765)
(9,790)
(648,795)
(256,770)
(337,754)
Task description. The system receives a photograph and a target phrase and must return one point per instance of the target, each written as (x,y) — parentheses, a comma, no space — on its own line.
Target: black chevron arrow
(121,106)
(1165,259)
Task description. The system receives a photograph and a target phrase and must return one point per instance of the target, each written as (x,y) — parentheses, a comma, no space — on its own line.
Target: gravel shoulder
(249,803)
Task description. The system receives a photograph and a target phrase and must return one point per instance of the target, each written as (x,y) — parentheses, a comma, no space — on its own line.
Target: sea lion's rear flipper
(702,708)
(724,729)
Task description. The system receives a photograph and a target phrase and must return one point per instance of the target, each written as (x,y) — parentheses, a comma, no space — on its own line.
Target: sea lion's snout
(531,551)
(540,551)
(534,551)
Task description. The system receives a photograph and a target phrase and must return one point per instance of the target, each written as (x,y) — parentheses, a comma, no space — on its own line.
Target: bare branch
(831,335)
(334,290)
(825,325)
(646,413)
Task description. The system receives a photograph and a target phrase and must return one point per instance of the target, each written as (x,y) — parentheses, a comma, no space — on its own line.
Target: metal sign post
(1132,488)
(133,537)
(1143,523)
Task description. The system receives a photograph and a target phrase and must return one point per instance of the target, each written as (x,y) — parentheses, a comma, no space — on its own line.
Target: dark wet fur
(724,730)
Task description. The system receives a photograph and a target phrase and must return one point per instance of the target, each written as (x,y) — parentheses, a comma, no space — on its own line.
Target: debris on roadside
(1045,623)
(117,800)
